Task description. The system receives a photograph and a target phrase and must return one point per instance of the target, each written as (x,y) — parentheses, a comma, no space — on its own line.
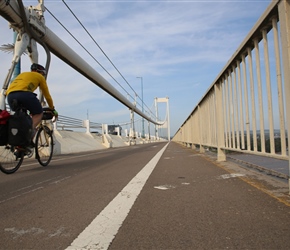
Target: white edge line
(103,229)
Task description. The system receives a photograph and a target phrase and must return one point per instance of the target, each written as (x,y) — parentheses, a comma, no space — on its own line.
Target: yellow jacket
(30,81)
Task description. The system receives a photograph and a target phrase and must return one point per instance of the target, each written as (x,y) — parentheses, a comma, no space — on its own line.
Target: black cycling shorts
(27,99)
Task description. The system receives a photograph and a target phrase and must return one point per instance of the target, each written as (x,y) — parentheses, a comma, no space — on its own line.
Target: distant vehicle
(113,129)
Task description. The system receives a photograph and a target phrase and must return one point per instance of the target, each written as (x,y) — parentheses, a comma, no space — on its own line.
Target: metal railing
(247,106)
(67,123)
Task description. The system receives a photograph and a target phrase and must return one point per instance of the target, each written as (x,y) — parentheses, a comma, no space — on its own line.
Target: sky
(177,47)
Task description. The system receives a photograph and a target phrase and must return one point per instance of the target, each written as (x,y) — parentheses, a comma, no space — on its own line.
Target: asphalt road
(188,202)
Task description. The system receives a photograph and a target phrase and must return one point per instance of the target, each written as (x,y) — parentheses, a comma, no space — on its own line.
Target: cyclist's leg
(36,119)
(30,101)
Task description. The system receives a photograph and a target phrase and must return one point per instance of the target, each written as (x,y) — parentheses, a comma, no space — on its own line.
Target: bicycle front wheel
(10,159)
(44,145)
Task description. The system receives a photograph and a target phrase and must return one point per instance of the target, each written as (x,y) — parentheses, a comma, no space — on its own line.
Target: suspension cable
(87,51)
(104,53)
(95,58)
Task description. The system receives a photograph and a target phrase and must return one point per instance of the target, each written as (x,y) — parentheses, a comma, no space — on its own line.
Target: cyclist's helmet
(38,68)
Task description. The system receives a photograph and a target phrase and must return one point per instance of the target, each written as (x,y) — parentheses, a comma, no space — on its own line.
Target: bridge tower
(166,123)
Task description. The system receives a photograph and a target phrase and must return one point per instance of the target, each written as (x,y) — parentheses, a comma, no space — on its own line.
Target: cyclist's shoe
(17,154)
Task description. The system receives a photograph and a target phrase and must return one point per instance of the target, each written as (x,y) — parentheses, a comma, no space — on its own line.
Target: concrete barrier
(67,142)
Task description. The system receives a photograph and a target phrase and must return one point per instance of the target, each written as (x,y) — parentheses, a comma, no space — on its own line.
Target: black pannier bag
(20,128)
(4,117)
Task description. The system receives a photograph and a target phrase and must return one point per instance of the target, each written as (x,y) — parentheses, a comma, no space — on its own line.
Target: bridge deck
(192,202)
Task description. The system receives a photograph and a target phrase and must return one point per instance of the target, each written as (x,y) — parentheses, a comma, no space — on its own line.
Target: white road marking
(102,230)
(21,232)
(164,187)
(227,176)
(59,232)
(16,196)
(22,192)
(61,159)
(60,180)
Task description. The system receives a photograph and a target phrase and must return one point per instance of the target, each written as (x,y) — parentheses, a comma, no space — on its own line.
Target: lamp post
(143,131)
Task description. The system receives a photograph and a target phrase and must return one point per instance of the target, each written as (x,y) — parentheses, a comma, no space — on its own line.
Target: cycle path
(191,201)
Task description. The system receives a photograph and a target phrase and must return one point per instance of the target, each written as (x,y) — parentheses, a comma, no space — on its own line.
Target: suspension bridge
(198,191)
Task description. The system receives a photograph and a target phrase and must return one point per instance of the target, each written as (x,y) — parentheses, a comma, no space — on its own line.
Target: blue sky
(178,47)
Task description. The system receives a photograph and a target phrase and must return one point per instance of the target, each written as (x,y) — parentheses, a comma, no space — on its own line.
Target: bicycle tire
(44,145)
(9,162)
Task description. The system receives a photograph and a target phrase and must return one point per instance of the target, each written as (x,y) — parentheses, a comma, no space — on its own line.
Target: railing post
(284,10)
(200,129)
(86,124)
(118,131)
(221,156)
(104,129)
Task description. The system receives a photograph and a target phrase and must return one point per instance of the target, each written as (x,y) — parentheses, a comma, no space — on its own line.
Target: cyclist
(22,88)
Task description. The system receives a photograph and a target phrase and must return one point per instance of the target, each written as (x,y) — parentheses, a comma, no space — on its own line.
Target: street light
(143,131)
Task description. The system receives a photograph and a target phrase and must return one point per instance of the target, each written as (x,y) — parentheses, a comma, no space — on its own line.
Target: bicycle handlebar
(48,114)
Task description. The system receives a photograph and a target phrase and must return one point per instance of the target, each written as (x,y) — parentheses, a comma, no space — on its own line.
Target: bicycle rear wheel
(44,145)
(10,161)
